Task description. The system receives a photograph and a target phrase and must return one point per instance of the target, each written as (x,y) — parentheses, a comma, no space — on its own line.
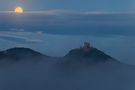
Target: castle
(86,47)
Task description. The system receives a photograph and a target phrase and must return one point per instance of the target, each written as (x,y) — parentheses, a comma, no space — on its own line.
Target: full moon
(18,10)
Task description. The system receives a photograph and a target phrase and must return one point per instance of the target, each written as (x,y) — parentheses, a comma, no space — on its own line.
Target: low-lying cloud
(44,75)
(20,40)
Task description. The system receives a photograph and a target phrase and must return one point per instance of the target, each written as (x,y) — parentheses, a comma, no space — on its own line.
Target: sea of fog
(55,33)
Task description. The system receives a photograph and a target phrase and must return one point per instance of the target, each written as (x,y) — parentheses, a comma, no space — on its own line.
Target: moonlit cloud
(20,40)
(72,12)
(19,37)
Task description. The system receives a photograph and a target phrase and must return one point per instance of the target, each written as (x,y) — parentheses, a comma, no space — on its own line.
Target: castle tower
(86,47)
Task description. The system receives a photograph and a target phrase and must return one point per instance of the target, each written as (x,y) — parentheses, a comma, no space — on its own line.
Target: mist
(44,75)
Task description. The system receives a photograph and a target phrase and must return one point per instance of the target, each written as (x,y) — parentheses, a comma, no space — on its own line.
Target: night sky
(74,5)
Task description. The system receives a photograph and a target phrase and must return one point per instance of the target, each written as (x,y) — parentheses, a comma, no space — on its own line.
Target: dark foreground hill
(94,55)
(76,57)
(17,54)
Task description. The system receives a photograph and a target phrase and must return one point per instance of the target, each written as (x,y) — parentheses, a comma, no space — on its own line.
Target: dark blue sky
(75,5)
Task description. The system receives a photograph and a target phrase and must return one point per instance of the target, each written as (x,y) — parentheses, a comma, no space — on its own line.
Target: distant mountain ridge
(20,53)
